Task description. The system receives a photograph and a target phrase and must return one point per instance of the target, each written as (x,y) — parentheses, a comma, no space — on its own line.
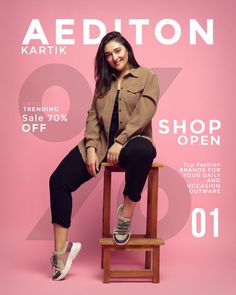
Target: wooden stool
(147,242)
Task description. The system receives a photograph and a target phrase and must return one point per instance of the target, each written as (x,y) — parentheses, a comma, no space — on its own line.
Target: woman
(118,130)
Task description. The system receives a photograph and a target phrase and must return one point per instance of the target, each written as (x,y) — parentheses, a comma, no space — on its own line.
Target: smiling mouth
(117,63)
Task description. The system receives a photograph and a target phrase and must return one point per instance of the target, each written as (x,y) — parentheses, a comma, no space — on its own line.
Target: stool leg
(102,256)
(148,260)
(106,204)
(156,264)
(106,264)
(106,208)
(152,201)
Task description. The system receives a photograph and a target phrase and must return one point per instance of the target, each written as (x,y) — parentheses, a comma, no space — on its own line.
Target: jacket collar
(135,72)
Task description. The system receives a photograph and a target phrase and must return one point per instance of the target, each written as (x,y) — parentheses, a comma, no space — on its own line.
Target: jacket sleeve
(143,111)
(92,128)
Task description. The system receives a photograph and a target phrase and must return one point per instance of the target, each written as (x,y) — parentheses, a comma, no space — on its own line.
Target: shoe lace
(54,260)
(122,227)
(57,264)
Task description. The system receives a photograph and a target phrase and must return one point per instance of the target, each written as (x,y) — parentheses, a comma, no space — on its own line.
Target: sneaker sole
(121,243)
(73,254)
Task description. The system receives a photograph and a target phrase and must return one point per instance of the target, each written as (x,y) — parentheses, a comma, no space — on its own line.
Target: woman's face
(117,57)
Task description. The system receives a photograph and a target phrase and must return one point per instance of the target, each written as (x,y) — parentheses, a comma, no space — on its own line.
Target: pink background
(201,88)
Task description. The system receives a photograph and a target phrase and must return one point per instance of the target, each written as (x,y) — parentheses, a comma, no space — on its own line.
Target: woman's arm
(92,128)
(91,135)
(143,111)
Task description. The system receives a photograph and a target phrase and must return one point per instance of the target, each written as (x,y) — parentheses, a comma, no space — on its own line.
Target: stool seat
(108,165)
(154,164)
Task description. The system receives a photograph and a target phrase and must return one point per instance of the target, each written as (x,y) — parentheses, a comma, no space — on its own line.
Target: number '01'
(199,222)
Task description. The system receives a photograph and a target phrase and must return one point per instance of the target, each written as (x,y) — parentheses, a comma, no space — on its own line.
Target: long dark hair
(102,70)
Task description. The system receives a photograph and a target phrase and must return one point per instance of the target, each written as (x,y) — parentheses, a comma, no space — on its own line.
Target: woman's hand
(113,153)
(92,161)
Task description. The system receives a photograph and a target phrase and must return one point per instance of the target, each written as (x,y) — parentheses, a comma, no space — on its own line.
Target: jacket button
(121,122)
(119,110)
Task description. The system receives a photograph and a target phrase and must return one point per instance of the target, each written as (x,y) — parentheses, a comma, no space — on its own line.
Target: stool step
(133,242)
(144,273)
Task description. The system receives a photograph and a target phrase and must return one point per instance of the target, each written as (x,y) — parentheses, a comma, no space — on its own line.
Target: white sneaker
(62,261)
(122,233)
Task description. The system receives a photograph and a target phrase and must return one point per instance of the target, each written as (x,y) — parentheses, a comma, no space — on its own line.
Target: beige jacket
(138,97)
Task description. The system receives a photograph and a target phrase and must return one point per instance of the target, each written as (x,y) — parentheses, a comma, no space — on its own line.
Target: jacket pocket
(133,94)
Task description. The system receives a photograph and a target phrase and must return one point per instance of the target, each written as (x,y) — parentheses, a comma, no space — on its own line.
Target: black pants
(136,157)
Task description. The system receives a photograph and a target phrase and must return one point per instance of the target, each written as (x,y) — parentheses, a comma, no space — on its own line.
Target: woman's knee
(142,149)
(54,179)
(58,183)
